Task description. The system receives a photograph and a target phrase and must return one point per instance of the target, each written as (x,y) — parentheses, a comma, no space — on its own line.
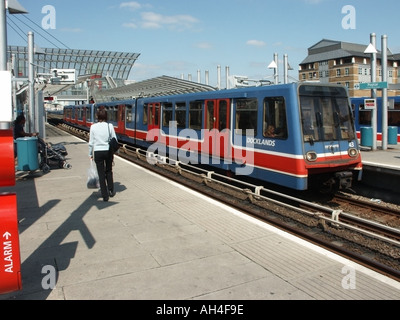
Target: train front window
(326,115)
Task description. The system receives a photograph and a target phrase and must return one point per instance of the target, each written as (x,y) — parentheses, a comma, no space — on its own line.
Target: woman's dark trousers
(104,161)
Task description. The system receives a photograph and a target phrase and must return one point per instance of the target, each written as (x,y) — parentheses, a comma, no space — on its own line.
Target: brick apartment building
(346,63)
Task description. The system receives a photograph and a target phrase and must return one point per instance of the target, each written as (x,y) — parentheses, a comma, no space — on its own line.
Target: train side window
(195,112)
(144,116)
(109,113)
(364,116)
(88,116)
(394,118)
(114,113)
(180,114)
(80,114)
(128,111)
(246,115)
(166,114)
(275,124)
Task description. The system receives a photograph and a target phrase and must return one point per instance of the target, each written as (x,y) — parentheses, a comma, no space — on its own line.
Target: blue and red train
(295,135)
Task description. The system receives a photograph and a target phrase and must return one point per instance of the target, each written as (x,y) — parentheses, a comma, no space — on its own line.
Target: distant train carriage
(292,135)
(363,115)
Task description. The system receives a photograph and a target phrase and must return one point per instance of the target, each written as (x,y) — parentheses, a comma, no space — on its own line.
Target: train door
(153,121)
(84,114)
(153,112)
(121,118)
(217,122)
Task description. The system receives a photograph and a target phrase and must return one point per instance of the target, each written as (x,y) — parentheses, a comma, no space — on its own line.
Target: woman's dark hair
(19,119)
(102,115)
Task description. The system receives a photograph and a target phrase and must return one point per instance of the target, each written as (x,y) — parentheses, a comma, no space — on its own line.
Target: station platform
(381,171)
(156,240)
(389,158)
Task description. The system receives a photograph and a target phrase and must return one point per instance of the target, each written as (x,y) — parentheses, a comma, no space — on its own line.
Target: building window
(303,76)
(346,71)
(338,73)
(360,71)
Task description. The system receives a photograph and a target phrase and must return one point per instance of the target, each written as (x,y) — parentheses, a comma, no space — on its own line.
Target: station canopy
(116,64)
(86,63)
(91,65)
(160,86)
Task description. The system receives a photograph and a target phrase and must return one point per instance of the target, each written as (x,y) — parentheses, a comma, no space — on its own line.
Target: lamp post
(384,94)
(371,49)
(274,66)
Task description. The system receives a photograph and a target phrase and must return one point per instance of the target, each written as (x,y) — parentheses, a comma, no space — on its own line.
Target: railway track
(365,241)
(372,209)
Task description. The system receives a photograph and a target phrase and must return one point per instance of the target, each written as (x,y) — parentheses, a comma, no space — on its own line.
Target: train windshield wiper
(311,140)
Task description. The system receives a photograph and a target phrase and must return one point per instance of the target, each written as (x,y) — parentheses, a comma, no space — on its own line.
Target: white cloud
(152,20)
(131,25)
(203,45)
(133,5)
(256,43)
(74,30)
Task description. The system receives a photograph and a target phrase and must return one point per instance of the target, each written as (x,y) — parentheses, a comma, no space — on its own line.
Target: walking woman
(100,134)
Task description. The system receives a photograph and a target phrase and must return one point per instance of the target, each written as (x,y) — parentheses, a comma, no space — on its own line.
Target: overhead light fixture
(14,7)
(272,65)
(370,49)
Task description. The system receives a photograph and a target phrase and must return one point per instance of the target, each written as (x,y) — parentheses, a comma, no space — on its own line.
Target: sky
(181,37)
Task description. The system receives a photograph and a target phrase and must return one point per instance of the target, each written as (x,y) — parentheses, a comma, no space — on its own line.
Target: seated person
(270,132)
(19,131)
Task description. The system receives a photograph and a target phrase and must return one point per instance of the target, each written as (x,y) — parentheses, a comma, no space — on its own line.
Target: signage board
(370,104)
(373,85)
(5,97)
(10,260)
(63,76)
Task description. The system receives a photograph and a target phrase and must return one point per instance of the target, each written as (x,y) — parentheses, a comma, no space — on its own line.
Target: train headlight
(353,152)
(311,156)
